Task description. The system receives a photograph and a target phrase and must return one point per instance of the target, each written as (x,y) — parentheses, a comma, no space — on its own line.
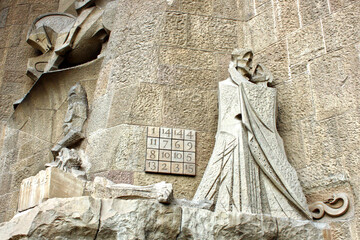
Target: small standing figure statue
(68,159)
(248,171)
(74,119)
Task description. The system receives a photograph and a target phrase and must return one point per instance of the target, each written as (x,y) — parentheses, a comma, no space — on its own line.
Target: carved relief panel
(170,151)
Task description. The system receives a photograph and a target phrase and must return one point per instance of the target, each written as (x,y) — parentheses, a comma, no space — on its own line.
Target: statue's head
(77,94)
(261,74)
(242,60)
(82,4)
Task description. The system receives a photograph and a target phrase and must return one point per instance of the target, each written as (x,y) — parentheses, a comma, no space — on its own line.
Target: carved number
(152,166)
(178,156)
(189,146)
(165,143)
(153,141)
(152,154)
(189,157)
(153,132)
(190,168)
(165,155)
(178,144)
(165,132)
(190,135)
(176,168)
(178,134)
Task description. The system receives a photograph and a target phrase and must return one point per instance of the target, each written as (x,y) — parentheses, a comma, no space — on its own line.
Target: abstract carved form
(248,170)
(75,117)
(330,206)
(64,39)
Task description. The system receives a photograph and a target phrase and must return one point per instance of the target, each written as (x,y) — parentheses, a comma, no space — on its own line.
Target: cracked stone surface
(95,218)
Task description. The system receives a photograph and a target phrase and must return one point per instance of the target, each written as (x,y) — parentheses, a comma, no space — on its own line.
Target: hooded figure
(248,171)
(74,119)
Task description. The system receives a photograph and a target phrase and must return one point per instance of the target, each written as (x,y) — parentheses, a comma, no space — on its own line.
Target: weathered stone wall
(161,68)
(312,48)
(16,17)
(163,63)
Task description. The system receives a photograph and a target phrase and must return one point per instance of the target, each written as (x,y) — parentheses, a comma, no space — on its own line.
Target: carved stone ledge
(89,218)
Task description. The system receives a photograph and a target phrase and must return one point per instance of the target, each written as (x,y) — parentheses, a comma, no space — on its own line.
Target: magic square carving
(170,151)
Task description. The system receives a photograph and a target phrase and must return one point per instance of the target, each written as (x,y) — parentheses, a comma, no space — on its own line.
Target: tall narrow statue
(248,170)
(75,117)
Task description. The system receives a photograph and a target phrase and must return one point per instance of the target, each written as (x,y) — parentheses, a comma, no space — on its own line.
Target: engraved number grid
(170,151)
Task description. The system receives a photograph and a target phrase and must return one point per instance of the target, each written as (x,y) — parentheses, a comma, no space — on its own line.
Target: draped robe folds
(248,170)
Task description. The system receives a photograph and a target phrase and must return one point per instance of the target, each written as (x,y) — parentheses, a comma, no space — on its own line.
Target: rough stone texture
(312,10)
(315,64)
(306,43)
(15,17)
(203,224)
(137,219)
(336,93)
(119,148)
(72,218)
(48,184)
(297,39)
(36,126)
(89,218)
(295,99)
(255,32)
(116,176)
(287,16)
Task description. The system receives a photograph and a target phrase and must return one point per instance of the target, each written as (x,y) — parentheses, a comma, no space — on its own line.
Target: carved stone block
(49,183)
(173,148)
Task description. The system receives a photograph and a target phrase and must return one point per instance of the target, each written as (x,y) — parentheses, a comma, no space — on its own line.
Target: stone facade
(313,51)
(94,218)
(161,68)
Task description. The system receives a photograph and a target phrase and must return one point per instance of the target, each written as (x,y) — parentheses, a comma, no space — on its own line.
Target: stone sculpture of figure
(74,119)
(248,170)
(69,160)
(61,37)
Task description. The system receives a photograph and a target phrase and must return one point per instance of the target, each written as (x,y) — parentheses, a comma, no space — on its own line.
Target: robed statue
(248,170)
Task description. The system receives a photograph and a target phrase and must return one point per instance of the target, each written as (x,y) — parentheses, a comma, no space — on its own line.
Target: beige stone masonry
(49,183)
